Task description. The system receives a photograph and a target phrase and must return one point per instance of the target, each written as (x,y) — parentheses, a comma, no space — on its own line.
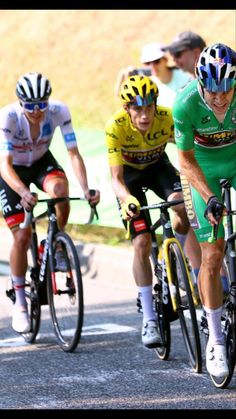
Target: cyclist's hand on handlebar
(214,210)
(130,208)
(29,200)
(93,197)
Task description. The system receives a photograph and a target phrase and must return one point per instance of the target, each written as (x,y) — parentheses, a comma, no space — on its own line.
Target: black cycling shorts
(12,210)
(161,177)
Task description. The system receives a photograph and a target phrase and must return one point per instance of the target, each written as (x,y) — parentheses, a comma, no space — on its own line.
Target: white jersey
(15,137)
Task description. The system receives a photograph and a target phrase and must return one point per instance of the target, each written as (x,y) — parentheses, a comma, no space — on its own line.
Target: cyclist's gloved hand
(214,207)
(29,199)
(130,207)
(93,197)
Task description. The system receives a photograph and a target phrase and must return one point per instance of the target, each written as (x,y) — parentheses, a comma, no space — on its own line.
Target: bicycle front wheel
(163,323)
(185,307)
(65,292)
(33,303)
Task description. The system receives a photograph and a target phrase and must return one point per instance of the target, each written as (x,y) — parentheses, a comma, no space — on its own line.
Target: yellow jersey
(127,146)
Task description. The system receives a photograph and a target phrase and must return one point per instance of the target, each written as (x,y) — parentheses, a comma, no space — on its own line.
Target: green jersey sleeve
(183,130)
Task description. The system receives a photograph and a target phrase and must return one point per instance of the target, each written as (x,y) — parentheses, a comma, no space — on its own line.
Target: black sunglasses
(179,53)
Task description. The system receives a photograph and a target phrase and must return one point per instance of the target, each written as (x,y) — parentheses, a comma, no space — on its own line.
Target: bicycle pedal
(11,294)
(157,287)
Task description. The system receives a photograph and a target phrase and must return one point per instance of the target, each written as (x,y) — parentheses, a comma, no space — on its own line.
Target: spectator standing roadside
(185,50)
(153,56)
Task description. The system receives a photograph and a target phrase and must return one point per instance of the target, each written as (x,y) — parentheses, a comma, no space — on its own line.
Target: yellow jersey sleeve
(115,132)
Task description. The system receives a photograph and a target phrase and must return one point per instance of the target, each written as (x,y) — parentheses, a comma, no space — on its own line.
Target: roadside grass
(111,236)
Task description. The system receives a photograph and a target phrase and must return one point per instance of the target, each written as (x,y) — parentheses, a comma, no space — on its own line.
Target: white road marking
(96,329)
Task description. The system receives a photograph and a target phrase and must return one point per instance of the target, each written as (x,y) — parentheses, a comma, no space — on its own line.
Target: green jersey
(214,145)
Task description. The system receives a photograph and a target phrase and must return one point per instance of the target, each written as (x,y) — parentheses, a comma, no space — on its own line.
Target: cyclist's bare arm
(12,179)
(192,171)
(122,192)
(81,174)
(118,184)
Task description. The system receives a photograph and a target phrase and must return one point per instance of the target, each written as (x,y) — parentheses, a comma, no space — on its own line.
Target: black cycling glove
(214,207)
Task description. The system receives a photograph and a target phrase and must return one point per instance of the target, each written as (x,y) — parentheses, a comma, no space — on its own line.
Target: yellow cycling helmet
(138,91)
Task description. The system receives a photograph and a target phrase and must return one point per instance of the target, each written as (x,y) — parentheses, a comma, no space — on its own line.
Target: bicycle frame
(230,234)
(174,294)
(168,237)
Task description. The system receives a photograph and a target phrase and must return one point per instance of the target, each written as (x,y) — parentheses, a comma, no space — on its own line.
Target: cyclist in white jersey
(26,132)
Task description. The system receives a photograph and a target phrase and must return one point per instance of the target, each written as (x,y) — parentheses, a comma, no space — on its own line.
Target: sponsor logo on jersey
(188,202)
(217,139)
(6,146)
(139,225)
(233,116)
(119,121)
(161,112)
(142,157)
(110,134)
(70,137)
(130,138)
(205,119)
(46,129)
(178,133)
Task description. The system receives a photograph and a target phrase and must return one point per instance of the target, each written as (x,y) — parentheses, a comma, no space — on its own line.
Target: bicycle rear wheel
(65,293)
(185,307)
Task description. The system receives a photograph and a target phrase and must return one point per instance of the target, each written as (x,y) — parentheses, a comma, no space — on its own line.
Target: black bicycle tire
(163,323)
(67,346)
(194,351)
(34,307)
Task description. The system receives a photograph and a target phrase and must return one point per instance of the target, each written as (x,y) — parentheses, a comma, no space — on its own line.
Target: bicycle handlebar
(163,204)
(215,228)
(29,214)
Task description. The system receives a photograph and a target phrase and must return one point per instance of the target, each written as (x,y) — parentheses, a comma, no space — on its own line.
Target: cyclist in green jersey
(205,133)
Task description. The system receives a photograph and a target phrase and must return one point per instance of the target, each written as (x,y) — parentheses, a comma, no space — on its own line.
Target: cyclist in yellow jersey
(136,138)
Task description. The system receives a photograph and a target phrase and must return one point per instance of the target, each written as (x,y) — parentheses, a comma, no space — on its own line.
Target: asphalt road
(110,368)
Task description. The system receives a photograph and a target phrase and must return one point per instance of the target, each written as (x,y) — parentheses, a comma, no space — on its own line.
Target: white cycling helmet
(33,87)
(216,68)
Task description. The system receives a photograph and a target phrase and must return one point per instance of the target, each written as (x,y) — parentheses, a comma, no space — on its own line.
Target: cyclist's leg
(193,252)
(14,215)
(168,187)
(209,284)
(52,180)
(142,269)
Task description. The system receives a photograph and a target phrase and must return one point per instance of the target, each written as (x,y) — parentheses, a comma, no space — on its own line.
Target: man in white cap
(153,55)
